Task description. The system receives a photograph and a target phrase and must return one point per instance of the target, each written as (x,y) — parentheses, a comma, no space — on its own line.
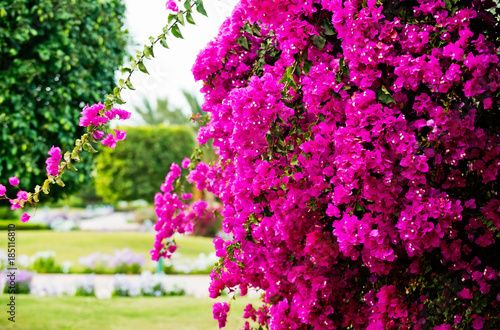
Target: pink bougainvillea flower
(220,311)
(186,196)
(199,207)
(109,140)
(120,135)
(185,162)
(25,217)
(98,135)
(14,181)
(465,294)
(90,115)
(2,190)
(53,161)
(171,5)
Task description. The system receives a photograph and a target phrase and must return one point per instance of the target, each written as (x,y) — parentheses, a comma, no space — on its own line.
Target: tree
(164,114)
(358,163)
(55,57)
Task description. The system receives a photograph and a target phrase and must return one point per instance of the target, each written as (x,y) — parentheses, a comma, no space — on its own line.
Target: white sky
(170,68)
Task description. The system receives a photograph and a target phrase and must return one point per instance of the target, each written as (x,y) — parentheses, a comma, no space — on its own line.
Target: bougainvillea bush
(359,149)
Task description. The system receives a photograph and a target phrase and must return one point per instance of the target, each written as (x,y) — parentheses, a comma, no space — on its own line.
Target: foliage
(45,262)
(4,225)
(134,170)
(55,55)
(164,114)
(359,151)
(150,285)
(121,262)
(22,281)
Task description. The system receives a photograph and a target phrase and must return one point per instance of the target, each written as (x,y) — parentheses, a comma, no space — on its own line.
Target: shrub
(45,262)
(359,151)
(56,55)
(123,262)
(134,170)
(149,285)
(22,281)
(86,287)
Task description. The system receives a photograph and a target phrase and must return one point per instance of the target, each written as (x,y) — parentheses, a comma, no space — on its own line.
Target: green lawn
(74,244)
(179,313)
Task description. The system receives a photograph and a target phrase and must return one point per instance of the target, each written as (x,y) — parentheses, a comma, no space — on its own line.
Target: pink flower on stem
(465,294)
(110,141)
(219,311)
(14,181)
(53,161)
(185,163)
(25,217)
(199,207)
(2,190)
(98,135)
(120,135)
(171,5)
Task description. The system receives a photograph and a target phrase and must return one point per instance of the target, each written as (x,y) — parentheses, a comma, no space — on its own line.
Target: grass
(75,244)
(180,313)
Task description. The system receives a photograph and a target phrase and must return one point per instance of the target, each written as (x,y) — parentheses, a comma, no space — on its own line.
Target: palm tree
(162,114)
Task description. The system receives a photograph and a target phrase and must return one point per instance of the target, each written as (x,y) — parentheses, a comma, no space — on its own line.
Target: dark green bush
(136,168)
(55,56)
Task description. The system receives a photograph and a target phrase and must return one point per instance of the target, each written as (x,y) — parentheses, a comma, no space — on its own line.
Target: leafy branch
(84,142)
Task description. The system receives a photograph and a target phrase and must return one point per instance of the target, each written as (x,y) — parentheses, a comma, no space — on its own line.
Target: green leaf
(70,166)
(125,69)
(129,84)
(200,8)
(243,42)
(327,26)
(307,66)
(171,17)
(294,161)
(318,41)
(59,182)
(163,41)
(46,186)
(177,32)
(88,147)
(384,96)
(142,67)
(119,100)
(147,52)
(187,5)
(180,18)
(133,64)
(189,18)
(76,155)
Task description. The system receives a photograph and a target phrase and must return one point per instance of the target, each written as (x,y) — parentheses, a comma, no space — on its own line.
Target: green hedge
(4,225)
(136,168)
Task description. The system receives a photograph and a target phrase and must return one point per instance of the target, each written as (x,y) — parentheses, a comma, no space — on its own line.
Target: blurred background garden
(83,258)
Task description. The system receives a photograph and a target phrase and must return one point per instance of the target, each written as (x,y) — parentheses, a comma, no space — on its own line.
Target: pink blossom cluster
(94,115)
(53,161)
(219,311)
(358,162)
